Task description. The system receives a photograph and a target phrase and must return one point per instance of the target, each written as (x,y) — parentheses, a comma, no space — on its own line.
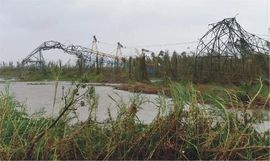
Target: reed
(191,130)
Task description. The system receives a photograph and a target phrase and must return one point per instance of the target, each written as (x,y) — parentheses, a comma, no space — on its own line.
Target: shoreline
(144,88)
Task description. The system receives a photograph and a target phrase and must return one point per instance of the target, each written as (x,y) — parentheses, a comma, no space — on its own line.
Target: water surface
(39,96)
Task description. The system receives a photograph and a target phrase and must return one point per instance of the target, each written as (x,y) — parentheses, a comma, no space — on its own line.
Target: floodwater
(39,96)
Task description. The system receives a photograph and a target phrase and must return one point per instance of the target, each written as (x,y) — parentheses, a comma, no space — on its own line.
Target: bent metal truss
(223,46)
(228,38)
(36,57)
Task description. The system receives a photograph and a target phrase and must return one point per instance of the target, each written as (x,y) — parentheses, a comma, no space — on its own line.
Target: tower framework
(227,52)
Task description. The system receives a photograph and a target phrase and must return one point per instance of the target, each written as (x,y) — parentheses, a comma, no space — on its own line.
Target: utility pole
(95,48)
(129,67)
(118,52)
(144,75)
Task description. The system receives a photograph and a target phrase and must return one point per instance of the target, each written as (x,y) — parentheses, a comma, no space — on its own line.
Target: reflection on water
(38,96)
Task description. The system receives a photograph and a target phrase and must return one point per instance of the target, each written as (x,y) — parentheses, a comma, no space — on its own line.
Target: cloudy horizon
(25,24)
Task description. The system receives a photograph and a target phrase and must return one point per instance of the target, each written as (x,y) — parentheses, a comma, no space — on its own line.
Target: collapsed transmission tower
(36,56)
(225,42)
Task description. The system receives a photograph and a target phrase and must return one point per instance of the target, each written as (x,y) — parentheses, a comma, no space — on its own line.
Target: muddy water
(39,97)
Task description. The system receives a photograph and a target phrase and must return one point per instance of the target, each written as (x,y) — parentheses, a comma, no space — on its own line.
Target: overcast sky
(25,24)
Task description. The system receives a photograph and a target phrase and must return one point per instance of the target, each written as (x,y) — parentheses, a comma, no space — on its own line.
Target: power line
(165,44)
(151,45)
(134,47)
(106,43)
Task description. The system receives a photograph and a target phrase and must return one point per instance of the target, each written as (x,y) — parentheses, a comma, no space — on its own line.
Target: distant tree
(68,64)
(10,64)
(161,53)
(144,75)
(174,65)
(101,63)
(183,54)
(18,64)
(79,65)
(60,63)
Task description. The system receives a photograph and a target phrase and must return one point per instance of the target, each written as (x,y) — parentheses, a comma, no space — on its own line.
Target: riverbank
(242,92)
(218,134)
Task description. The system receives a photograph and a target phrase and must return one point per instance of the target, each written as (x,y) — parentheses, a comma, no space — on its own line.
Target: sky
(25,24)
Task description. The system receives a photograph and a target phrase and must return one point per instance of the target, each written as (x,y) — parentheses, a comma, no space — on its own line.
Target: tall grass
(190,130)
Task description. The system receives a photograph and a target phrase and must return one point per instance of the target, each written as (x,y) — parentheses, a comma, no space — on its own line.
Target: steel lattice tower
(225,42)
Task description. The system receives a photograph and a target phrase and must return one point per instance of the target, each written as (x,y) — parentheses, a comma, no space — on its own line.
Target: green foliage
(191,130)
(164,65)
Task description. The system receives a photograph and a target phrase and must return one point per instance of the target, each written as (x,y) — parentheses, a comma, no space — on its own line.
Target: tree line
(165,65)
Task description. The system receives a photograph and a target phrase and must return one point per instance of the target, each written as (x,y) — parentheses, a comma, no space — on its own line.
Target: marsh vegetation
(189,130)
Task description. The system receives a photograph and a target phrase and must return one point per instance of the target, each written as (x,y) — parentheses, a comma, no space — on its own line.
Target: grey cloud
(24,24)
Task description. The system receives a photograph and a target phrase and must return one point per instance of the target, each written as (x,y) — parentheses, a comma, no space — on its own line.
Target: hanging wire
(151,45)
(165,44)
(106,43)
(132,49)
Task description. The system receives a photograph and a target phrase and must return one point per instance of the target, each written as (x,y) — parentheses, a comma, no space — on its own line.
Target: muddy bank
(143,88)
(258,103)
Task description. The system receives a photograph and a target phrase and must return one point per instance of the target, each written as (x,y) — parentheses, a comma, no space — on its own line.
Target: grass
(192,133)
(65,74)
(243,91)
